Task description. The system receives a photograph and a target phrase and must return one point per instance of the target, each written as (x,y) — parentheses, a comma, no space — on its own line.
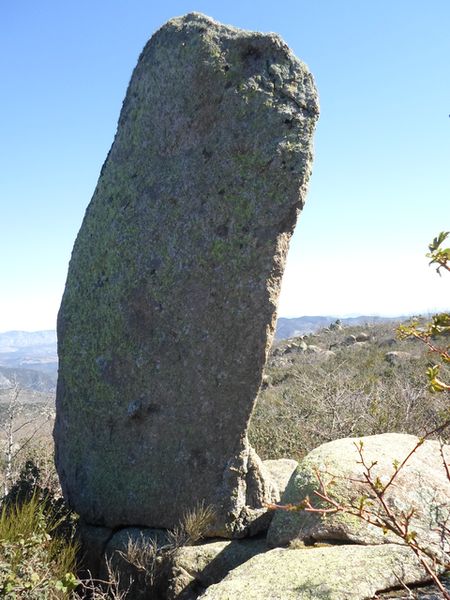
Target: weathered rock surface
(170,301)
(93,543)
(195,568)
(137,536)
(421,485)
(396,357)
(313,349)
(320,351)
(363,337)
(332,573)
(135,555)
(280,470)
(349,340)
(189,566)
(424,592)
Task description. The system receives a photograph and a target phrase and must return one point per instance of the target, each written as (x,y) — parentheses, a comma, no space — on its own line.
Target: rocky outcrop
(299,346)
(192,569)
(333,557)
(349,340)
(280,471)
(396,357)
(332,573)
(421,485)
(362,337)
(170,301)
(135,557)
(320,351)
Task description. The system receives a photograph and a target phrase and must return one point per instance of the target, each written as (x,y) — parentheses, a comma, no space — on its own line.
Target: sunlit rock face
(170,301)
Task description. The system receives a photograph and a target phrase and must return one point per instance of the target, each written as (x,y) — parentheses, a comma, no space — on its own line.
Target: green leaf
(67,583)
(438,241)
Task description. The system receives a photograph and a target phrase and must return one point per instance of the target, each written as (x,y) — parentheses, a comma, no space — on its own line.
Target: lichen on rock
(170,301)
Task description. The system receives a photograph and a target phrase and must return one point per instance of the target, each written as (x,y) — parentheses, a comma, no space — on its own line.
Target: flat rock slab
(332,573)
(421,485)
(194,568)
(170,301)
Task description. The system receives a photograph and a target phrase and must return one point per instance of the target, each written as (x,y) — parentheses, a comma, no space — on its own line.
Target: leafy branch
(373,508)
(439,326)
(439,255)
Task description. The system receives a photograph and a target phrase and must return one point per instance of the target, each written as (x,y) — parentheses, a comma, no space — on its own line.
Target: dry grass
(311,399)
(193,526)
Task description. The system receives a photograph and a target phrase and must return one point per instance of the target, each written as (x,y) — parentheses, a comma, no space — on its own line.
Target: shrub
(35,485)
(311,399)
(34,562)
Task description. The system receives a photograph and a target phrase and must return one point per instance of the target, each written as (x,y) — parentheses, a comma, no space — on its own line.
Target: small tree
(13,426)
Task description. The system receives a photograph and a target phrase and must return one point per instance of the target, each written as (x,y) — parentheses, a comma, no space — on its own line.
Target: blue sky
(381,177)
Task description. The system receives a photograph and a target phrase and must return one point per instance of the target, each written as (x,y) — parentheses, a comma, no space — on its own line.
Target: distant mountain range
(31,359)
(287,328)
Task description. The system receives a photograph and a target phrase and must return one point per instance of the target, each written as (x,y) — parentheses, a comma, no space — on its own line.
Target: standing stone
(170,301)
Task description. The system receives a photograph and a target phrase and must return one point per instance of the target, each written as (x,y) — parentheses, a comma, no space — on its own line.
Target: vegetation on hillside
(38,550)
(343,382)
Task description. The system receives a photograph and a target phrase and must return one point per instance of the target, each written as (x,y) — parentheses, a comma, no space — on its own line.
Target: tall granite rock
(170,301)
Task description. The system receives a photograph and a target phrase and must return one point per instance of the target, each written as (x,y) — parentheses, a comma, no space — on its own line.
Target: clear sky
(381,177)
